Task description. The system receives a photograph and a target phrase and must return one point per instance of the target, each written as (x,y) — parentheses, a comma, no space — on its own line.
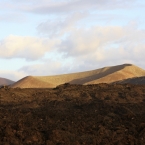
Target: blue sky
(50,37)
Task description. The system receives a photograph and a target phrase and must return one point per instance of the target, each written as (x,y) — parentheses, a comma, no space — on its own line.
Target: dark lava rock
(73,115)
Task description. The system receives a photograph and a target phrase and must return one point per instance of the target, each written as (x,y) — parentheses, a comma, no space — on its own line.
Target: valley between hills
(100,107)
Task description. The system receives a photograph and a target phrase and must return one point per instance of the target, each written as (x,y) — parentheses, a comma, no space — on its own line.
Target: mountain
(103,75)
(4,81)
(125,72)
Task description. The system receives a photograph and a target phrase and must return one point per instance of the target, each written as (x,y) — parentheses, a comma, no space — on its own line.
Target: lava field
(100,114)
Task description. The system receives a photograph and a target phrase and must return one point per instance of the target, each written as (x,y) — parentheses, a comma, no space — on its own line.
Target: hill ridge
(103,75)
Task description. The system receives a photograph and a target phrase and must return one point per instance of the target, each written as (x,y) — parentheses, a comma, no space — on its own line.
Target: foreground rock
(73,115)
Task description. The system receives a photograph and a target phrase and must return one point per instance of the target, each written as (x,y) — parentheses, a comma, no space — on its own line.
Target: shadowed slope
(135,80)
(125,73)
(103,75)
(4,81)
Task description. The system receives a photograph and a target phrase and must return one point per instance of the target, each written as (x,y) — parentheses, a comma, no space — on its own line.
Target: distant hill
(103,75)
(4,81)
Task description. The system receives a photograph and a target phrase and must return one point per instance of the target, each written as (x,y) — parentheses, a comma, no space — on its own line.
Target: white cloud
(87,41)
(29,48)
(78,5)
(60,25)
(65,6)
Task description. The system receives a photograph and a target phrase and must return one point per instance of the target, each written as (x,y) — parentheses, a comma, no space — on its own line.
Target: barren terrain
(73,115)
(103,75)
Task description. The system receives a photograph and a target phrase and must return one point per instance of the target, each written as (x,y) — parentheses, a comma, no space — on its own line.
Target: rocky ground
(73,115)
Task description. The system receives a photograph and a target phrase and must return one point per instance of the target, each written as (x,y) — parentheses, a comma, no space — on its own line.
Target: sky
(50,37)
